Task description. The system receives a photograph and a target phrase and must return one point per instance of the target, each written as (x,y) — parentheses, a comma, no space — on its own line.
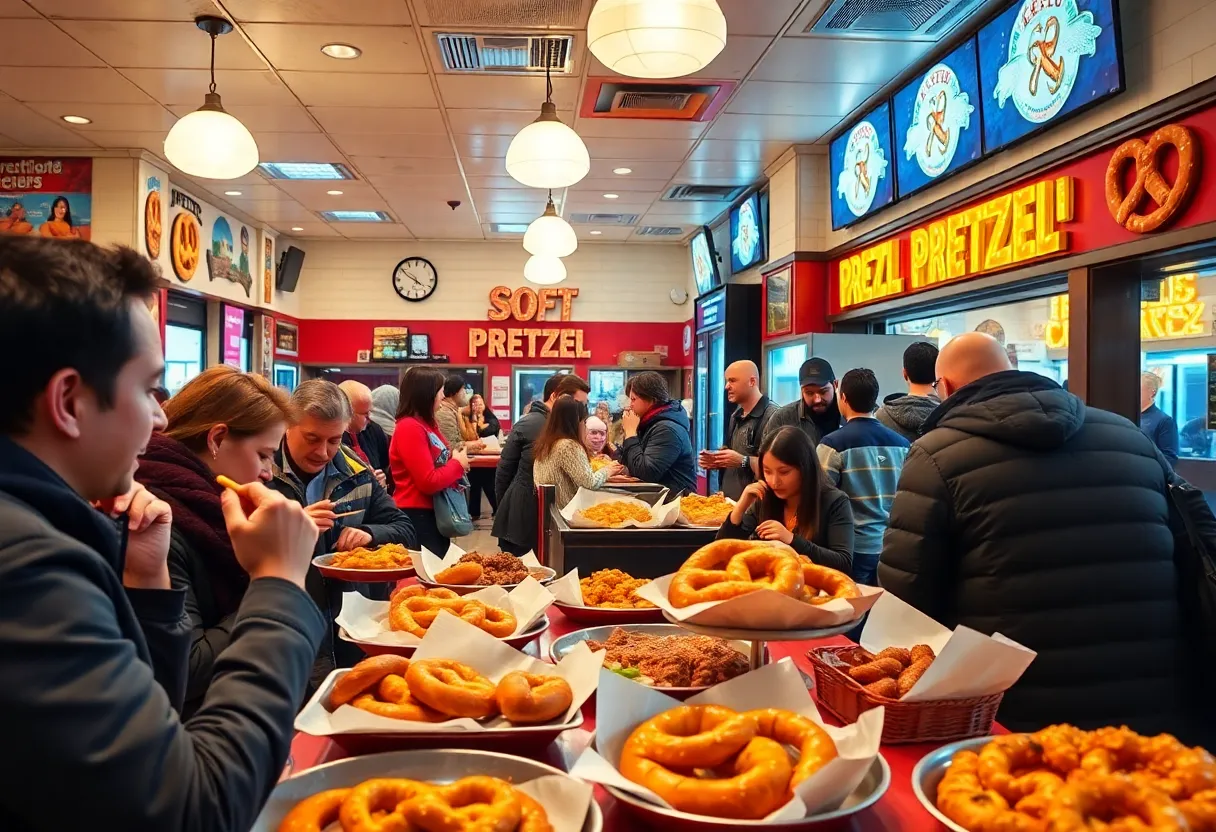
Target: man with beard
(816,413)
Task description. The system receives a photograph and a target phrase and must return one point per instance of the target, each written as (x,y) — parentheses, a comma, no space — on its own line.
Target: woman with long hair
(222,422)
(560,457)
(477,423)
(60,223)
(422,463)
(794,503)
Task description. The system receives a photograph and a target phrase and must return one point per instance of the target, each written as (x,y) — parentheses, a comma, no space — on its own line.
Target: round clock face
(415,279)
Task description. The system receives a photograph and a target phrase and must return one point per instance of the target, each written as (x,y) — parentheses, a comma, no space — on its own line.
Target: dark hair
(418,390)
(67,209)
(569,384)
(564,421)
(651,386)
(223,395)
(860,389)
(66,304)
(793,447)
(453,385)
(920,362)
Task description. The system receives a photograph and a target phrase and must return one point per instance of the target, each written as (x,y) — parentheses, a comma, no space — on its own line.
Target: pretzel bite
(885,687)
(460,574)
(444,808)
(498,622)
(313,814)
(911,675)
(451,688)
(364,676)
(815,747)
(875,670)
(999,758)
(922,651)
(901,654)
(529,698)
(370,805)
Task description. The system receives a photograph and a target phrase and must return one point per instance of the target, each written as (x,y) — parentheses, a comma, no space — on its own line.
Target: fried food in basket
(398,804)
(388,556)
(613,514)
(1061,779)
(892,672)
(727,569)
(413,609)
(747,770)
(706,511)
(670,661)
(482,569)
(613,589)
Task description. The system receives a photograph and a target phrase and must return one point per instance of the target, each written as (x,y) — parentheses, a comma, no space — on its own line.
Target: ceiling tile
(265,118)
(99,85)
(780,98)
(641,128)
(506,92)
(719,173)
(496,122)
(169,45)
(747,17)
(614,184)
(134,117)
(771,128)
(502,182)
(601,168)
(494,147)
(31,129)
(314,195)
(275,211)
(586,204)
(530,197)
(16,8)
(251,193)
(494,166)
(309,229)
(399,166)
(430,187)
(507,214)
(607,233)
(296,147)
(715,150)
(733,62)
(389,144)
(659,150)
(38,42)
(173,87)
(676,213)
(380,120)
(375,12)
(118,139)
(372,230)
(180,10)
(812,59)
(298,47)
(348,89)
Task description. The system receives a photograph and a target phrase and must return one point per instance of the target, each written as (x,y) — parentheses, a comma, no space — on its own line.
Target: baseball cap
(816,371)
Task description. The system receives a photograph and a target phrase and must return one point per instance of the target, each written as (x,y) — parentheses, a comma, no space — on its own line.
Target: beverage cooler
(727,330)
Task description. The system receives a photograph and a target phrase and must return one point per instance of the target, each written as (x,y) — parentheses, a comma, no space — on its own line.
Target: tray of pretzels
(760,586)
(431,789)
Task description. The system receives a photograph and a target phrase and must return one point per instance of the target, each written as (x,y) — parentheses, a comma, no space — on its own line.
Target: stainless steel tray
(930,770)
(764,635)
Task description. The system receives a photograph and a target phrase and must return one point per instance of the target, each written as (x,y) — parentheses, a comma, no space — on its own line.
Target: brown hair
(649,385)
(563,422)
(569,384)
(246,403)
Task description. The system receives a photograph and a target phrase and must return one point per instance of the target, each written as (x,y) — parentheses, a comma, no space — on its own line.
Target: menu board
(937,128)
(1041,60)
(390,343)
(861,172)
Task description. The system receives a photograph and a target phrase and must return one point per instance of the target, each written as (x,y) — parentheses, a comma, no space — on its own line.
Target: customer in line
(94,641)
(482,423)
(313,468)
(449,418)
(384,407)
(863,459)
(515,522)
(905,413)
(560,453)
(658,445)
(816,412)
(794,504)
(1024,512)
(739,461)
(479,424)
(1157,425)
(616,434)
(222,422)
(597,438)
(423,464)
(363,436)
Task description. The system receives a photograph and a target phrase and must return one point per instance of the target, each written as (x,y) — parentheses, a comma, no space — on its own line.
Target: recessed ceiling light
(622,171)
(597,233)
(612,196)
(232,193)
(341,51)
(77,120)
(297,228)
(334,193)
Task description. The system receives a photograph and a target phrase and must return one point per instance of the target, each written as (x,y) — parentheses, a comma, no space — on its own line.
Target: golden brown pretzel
(911,675)
(452,688)
(770,569)
(705,576)
(364,676)
(815,748)
(184,242)
(1146,158)
(498,622)
(717,554)
(371,805)
(1098,796)
(153,225)
(316,813)
(472,803)
(529,698)
(824,579)
(460,574)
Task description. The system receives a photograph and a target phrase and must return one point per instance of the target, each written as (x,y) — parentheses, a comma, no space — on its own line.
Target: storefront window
(183,355)
(529,384)
(782,371)
(607,386)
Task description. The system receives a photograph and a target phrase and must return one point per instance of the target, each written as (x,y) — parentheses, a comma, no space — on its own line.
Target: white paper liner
(427,564)
(968,663)
(764,609)
(622,706)
(367,620)
(451,638)
(565,799)
(687,523)
(662,514)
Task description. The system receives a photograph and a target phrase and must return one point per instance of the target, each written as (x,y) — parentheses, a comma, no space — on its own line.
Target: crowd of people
(158,631)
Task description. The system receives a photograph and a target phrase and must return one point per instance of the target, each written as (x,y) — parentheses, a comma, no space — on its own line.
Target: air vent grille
(508,227)
(703,193)
(513,54)
(897,19)
(660,231)
(675,101)
(603,219)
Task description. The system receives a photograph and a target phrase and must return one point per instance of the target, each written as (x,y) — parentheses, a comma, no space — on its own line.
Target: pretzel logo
(1041,54)
(1146,158)
(935,121)
(152,224)
(184,242)
(861,170)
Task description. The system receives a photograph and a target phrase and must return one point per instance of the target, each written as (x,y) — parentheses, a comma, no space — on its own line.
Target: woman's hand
(322,514)
(630,422)
(462,456)
(474,447)
(616,469)
(753,493)
(352,538)
(772,530)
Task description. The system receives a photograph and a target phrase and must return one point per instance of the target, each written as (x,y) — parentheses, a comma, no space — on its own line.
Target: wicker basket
(944,720)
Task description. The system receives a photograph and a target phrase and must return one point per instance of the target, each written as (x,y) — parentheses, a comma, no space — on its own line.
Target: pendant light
(210,143)
(544,271)
(549,235)
(547,153)
(645,39)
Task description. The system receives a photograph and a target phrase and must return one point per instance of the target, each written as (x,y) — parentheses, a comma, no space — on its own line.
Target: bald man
(1024,512)
(363,436)
(739,461)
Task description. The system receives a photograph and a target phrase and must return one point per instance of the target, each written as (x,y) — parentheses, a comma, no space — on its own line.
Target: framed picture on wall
(286,338)
(779,302)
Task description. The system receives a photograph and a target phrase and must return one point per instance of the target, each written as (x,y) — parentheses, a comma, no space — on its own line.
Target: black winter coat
(514,488)
(1022,511)
(662,450)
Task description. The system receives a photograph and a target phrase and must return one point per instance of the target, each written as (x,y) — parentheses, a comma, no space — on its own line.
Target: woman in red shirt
(421,461)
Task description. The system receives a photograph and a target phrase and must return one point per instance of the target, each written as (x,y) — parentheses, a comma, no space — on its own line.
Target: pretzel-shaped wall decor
(1146,159)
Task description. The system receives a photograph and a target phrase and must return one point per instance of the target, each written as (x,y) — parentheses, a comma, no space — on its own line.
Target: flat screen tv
(1042,62)
(937,120)
(748,235)
(704,261)
(862,173)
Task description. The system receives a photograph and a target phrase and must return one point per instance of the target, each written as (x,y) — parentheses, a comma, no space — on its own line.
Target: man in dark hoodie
(94,642)
(1024,512)
(816,413)
(905,413)
(658,444)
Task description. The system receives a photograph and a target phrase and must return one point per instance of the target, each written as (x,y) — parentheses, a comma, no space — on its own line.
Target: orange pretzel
(452,688)
(316,813)
(371,805)
(530,698)
(824,579)
(364,676)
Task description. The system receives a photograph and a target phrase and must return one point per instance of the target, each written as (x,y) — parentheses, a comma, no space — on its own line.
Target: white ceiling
(417,137)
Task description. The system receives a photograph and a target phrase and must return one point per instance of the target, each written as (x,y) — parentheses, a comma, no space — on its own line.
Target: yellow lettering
(978,223)
(848,288)
(1048,238)
(579,351)
(548,351)
(1064,199)
(999,254)
(477,338)
(497,340)
(920,257)
(1022,235)
(937,251)
(956,245)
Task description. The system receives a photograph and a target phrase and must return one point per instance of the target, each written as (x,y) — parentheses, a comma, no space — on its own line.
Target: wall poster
(47,196)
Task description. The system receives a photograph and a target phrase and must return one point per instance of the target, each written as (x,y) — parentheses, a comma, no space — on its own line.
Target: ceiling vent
(928,20)
(703,193)
(506,54)
(603,219)
(660,231)
(626,100)
(670,100)
(504,14)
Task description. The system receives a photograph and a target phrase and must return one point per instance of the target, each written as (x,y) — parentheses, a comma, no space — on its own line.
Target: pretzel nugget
(912,674)
(875,670)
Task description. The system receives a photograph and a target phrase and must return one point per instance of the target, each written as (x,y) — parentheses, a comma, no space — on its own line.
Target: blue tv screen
(1042,60)
(704,262)
(937,126)
(861,169)
(747,235)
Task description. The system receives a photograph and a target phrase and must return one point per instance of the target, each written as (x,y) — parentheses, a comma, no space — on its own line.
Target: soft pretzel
(717,554)
(815,748)
(529,698)
(473,803)
(770,569)
(452,688)
(498,622)
(460,574)
(316,813)
(393,700)
(371,805)
(875,670)
(364,676)
(822,579)
(728,569)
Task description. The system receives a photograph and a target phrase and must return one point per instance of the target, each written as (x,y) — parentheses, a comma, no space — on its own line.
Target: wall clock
(415,279)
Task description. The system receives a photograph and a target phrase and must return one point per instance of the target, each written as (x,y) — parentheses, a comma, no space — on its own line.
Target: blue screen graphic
(937,120)
(862,171)
(1041,60)
(747,235)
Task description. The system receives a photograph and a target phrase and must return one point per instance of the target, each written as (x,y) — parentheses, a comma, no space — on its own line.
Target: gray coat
(514,487)
(904,413)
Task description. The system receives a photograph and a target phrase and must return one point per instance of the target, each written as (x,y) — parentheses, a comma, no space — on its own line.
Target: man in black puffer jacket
(1024,512)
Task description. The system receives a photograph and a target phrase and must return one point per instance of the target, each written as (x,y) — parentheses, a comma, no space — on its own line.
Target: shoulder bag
(451,505)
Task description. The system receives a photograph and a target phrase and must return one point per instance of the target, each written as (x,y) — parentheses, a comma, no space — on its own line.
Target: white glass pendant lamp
(550,235)
(210,143)
(544,271)
(656,38)
(547,153)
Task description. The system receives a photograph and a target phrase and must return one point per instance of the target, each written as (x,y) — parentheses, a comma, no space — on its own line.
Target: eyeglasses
(936,382)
